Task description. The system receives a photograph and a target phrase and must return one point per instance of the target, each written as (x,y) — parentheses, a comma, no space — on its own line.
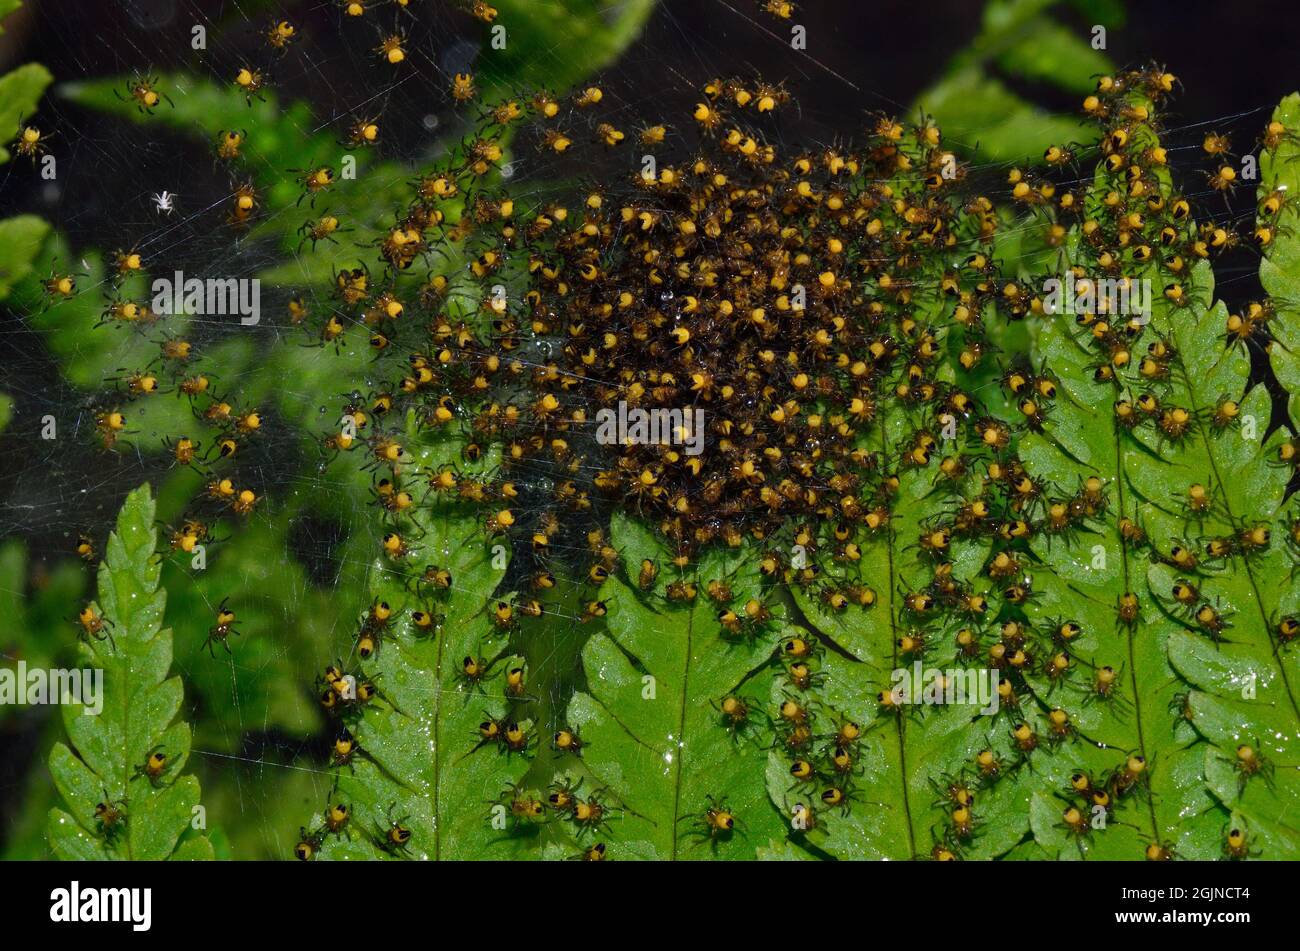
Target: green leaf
(1240,589)
(1184,484)
(20,91)
(421,761)
(1047,52)
(980,113)
(102,765)
(1108,13)
(910,757)
(1232,688)
(20,242)
(539,32)
(1279,271)
(1080,578)
(655,742)
(7,7)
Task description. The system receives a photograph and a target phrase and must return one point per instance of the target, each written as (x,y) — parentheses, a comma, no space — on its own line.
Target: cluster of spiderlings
(786,297)
(177,368)
(943,616)
(1130,221)
(986,621)
(173,370)
(824,768)
(813,307)
(678,289)
(789,303)
(586,813)
(1133,221)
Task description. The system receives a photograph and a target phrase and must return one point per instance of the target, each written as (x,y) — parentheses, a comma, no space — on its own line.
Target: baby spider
(717,819)
(1211,620)
(841,798)
(86,548)
(396,837)
(435,578)
(250,82)
(154,767)
(136,384)
(142,89)
(503,616)
(525,807)
(30,141)
(395,547)
(93,624)
(343,749)
(716,824)
(125,263)
(228,144)
(1275,133)
(221,631)
(182,450)
(363,132)
(316,231)
(60,286)
(563,794)
(336,817)
(314,181)
(390,48)
(567,741)
(735,712)
(189,536)
(243,502)
(589,814)
(391,497)
(309,844)
(110,424)
(110,817)
(1248,762)
(1236,845)
(164,202)
(280,35)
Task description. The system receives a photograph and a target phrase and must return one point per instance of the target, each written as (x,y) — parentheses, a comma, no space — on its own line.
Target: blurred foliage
(20,241)
(975,103)
(20,90)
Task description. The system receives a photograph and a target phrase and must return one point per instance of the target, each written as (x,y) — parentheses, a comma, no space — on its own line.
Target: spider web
(260,740)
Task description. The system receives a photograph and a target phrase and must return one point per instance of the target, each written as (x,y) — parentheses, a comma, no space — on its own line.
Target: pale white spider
(164,202)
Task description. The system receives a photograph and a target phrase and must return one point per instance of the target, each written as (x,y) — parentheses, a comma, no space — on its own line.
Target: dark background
(1230,55)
